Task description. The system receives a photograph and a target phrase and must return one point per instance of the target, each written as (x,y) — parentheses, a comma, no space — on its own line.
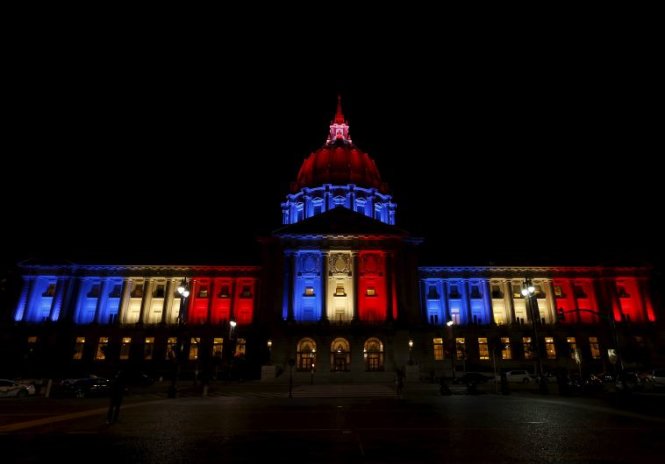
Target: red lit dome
(339,162)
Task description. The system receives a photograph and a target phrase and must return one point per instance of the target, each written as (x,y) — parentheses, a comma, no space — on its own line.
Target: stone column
(389,287)
(487,298)
(324,286)
(466,302)
(549,293)
(101,300)
(211,299)
(146,300)
(23,301)
(56,307)
(168,301)
(124,300)
(291,284)
(508,299)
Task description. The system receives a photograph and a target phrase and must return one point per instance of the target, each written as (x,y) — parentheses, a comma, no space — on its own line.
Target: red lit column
(211,300)
(389,286)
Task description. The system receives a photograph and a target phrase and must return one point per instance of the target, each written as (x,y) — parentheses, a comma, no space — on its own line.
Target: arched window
(340,355)
(373,354)
(306,354)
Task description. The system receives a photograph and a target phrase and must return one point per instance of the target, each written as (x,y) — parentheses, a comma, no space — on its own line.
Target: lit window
(572,346)
(506,350)
(460,348)
(102,347)
(194,348)
(78,348)
(483,350)
(528,349)
(558,292)
(595,347)
(309,291)
(149,349)
(171,348)
(475,292)
(339,290)
(550,349)
(438,349)
(371,291)
(32,340)
(203,292)
(241,348)
(432,293)
(124,347)
(217,345)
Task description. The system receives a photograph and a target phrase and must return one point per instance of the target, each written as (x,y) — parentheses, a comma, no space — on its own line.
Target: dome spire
(339,129)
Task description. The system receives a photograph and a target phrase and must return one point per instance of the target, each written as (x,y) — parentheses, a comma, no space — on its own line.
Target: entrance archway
(340,355)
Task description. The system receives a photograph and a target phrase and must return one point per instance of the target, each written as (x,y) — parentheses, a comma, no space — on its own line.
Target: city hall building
(338,296)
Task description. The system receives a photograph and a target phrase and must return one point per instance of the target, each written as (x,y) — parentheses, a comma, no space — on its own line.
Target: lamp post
(410,352)
(529,294)
(450,323)
(183,291)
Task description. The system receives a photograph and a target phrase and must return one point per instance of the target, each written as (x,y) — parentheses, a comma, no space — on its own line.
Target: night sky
(495,156)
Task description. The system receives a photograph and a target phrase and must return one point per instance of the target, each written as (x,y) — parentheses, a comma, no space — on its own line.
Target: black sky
(495,154)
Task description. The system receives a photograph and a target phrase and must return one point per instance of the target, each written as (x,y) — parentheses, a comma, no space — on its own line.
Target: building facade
(338,296)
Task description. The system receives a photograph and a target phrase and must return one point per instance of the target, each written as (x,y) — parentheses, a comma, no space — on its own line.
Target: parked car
(11,388)
(86,387)
(658,377)
(519,376)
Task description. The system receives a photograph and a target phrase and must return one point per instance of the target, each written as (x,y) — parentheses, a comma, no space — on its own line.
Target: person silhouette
(115,398)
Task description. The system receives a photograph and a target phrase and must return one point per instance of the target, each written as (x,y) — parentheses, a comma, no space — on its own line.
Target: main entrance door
(340,355)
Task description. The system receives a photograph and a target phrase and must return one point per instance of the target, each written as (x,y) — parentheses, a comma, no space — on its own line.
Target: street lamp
(529,294)
(269,343)
(410,352)
(183,291)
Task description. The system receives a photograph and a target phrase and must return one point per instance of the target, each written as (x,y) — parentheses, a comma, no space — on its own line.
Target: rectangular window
(125,347)
(116,292)
(432,293)
(579,292)
(621,291)
(149,349)
(371,291)
(595,347)
(475,292)
(171,348)
(203,292)
(194,348)
(50,290)
(339,290)
(517,289)
(454,291)
(102,347)
(78,348)
(159,291)
(241,348)
(528,349)
(460,348)
(137,290)
(483,350)
(496,292)
(550,349)
(506,350)
(438,349)
(558,292)
(246,292)
(224,292)
(309,291)
(217,345)
(572,346)
(94,291)
(32,340)
(434,319)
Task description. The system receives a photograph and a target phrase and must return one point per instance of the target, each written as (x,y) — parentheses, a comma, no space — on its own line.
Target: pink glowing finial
(339,116)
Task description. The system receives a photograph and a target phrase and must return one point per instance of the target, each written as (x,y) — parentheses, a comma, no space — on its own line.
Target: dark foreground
(377,427)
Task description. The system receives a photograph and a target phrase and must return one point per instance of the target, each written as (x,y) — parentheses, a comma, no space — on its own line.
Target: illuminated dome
(338,174)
